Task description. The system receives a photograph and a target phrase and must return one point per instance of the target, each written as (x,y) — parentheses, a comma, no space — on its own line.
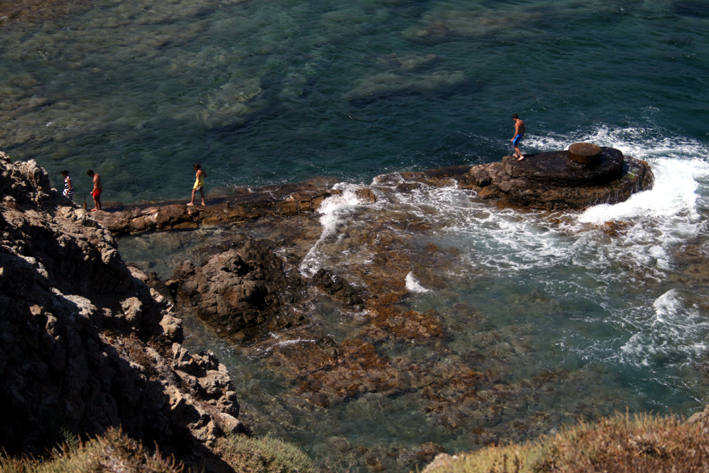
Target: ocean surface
(263,93)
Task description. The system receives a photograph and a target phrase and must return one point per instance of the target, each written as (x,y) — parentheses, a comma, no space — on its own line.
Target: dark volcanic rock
(337,286)
(555,169)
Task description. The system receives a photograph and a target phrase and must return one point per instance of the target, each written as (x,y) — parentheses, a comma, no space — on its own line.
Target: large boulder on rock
(582,176)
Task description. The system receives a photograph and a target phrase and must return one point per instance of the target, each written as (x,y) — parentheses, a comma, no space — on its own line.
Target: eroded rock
(86,344)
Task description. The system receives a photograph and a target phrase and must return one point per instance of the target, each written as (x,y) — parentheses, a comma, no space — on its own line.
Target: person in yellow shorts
(200,175)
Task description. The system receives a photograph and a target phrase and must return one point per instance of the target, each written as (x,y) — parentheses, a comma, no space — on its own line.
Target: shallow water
(575,317)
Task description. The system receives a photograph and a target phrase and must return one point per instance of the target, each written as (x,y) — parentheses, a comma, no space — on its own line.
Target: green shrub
(266,455)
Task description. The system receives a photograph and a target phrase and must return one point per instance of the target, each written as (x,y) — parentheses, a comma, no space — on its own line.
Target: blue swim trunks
(515,142)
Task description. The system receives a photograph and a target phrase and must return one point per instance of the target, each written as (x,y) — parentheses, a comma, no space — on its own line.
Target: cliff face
(85,343)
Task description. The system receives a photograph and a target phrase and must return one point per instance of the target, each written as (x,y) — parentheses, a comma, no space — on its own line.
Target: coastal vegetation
(115,451)
(622,444)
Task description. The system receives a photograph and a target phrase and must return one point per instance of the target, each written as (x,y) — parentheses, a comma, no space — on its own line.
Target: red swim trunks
(96,192)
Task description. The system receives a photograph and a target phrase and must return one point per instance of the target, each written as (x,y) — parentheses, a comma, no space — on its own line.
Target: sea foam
(334,211)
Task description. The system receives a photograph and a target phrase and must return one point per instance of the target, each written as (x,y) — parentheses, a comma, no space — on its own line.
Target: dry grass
(621,444)
(112,452)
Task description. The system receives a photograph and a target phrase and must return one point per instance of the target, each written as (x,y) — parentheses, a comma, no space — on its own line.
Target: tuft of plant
(111,452)
(265,455)
(620,444)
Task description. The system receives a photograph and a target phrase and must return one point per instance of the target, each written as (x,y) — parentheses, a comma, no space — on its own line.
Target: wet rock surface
(86,344)
(232,207)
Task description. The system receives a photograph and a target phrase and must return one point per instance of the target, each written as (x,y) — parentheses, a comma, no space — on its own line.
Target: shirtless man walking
(96,191)
(519,134)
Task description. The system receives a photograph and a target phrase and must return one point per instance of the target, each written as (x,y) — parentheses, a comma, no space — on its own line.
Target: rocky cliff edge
(86,344)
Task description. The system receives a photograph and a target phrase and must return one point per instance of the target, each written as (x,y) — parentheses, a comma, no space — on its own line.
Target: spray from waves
(335,212)
(492,239)
(412,285)
(639,142)
(681,174)
(666,215)
(675,193)
(512,241)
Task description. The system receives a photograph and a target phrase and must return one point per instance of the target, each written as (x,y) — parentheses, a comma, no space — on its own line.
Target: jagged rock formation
(86,344)
(248,289)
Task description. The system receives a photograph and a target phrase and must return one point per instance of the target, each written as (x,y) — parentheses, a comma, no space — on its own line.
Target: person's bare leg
(201,192)
(192,201)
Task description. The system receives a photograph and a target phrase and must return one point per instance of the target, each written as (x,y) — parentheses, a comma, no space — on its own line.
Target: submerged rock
(391,83)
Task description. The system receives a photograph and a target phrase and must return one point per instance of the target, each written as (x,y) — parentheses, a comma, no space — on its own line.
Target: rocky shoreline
(542,181)
(105,338)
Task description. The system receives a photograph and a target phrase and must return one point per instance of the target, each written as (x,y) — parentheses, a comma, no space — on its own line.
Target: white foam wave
(412,285)
(673,194)
(335,211)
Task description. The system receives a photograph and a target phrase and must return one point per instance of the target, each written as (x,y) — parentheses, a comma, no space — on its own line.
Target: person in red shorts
(96,192)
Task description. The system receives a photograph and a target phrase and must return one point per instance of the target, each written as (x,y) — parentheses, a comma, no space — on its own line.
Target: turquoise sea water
(264,92)
(281,91)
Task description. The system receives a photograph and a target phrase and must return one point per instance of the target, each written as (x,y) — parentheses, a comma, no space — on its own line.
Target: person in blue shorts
(519,134)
